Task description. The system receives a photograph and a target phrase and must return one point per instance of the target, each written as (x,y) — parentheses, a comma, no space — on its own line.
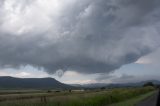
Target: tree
(103,88)
(148,84)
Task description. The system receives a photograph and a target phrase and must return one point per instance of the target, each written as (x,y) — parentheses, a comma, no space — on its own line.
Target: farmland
(70,98)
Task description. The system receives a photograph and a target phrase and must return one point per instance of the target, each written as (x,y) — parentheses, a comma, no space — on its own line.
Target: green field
(74,98)
(134,101)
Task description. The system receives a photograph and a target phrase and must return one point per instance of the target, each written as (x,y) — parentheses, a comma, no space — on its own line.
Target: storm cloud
(87,36)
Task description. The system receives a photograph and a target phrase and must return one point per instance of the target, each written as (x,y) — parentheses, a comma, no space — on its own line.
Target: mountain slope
(115,85)
(32,83)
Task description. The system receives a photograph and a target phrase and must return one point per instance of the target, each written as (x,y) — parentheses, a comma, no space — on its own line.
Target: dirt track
(151,101)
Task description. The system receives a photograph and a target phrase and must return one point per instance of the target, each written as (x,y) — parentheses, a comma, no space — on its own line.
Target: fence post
(158,99)
(44,99)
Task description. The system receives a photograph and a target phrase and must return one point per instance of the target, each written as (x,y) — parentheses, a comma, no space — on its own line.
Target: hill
(7,82)
(116,85)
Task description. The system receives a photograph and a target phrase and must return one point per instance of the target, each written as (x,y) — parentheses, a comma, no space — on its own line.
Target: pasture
(70,98)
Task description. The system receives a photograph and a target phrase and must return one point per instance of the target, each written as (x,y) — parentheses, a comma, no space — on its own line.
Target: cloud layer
(87,36)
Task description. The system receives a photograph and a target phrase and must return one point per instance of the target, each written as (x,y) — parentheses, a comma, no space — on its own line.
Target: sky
(80,41)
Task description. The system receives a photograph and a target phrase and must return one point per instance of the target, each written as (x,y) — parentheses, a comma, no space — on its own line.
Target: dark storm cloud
(91,36)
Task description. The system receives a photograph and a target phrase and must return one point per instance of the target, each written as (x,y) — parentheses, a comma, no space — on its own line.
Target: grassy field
(79,98)
(133,101)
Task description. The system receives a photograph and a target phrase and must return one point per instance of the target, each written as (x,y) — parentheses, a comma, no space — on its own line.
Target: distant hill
(7,82)
(115,85)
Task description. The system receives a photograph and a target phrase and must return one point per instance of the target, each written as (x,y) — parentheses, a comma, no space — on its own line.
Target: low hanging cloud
(87,36)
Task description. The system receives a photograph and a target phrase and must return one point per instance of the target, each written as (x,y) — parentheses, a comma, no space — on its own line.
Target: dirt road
(151,101)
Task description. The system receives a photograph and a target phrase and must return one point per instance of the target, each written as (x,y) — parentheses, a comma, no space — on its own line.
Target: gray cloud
(89,36)
(124,78)
(105,77)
